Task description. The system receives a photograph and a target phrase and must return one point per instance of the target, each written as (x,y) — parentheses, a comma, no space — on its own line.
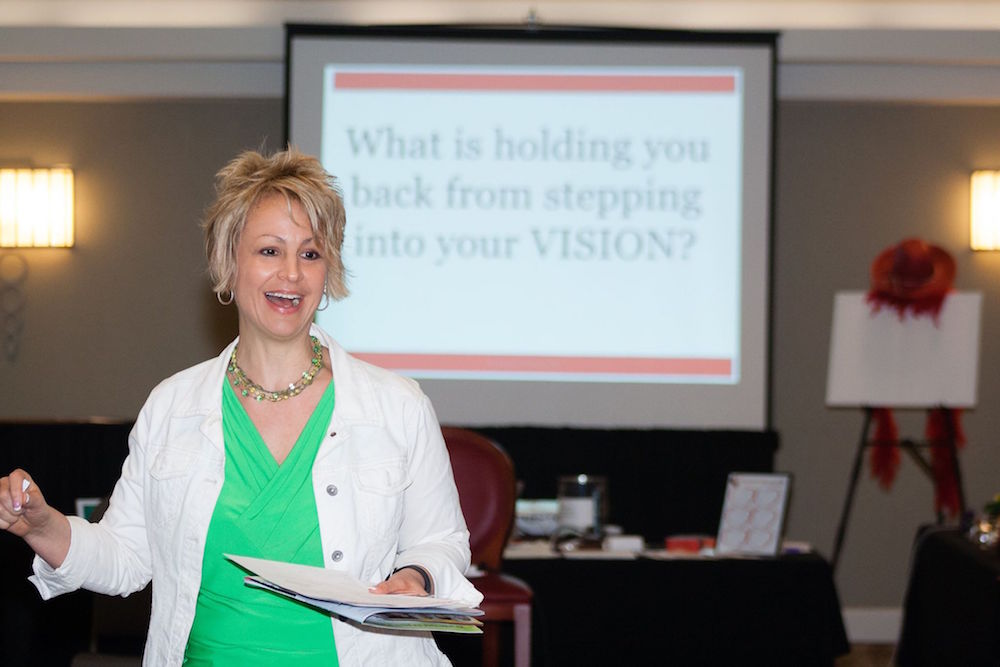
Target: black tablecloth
(952,611)
(771,611)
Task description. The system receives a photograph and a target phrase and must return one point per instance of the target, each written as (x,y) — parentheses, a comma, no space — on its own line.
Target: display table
(952,611)
(699,611)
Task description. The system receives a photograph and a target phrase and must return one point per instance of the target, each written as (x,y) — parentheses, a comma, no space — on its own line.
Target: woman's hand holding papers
(407,580)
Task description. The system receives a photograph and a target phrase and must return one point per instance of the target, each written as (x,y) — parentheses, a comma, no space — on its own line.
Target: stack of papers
(340,594)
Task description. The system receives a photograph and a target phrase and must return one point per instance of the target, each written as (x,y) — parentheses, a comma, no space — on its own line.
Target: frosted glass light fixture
(984,229)
(36,208)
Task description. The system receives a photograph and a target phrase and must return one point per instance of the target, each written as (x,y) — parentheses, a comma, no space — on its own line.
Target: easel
(911,449)
(883,360)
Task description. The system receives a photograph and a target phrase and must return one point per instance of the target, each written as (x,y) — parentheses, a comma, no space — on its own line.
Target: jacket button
(337,556)
(332,490)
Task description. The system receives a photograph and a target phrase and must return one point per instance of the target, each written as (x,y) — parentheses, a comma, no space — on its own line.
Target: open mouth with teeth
(283,300)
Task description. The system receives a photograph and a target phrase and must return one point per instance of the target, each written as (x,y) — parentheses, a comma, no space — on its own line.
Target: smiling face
(280,271)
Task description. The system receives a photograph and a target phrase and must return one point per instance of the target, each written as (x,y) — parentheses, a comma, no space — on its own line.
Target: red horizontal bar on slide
(550,364)
(535,82)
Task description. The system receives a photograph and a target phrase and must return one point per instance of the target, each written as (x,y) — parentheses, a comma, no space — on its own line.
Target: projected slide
(539,223)
(550,225)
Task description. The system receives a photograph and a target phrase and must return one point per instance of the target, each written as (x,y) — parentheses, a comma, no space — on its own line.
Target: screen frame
(534,33)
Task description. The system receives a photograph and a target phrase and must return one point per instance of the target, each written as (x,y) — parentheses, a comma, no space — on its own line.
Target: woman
(341,466)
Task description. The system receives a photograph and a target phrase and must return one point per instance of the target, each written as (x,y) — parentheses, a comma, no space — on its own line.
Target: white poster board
(878,359)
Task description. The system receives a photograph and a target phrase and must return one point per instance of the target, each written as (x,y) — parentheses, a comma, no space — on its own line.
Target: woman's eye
(269,252)
(310,254)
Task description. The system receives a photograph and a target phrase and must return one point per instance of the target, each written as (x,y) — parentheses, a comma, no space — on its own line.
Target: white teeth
(296,300)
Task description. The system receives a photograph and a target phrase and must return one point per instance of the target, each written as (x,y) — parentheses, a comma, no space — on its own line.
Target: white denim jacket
(385,497)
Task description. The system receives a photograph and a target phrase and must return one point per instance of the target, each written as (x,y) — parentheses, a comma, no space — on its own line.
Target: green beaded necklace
(249,388)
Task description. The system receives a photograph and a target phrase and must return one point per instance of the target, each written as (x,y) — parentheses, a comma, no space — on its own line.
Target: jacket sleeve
(112,556)
(433,534)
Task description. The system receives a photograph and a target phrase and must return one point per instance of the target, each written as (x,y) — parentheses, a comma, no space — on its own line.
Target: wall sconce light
(36,211)
(36,208)
(984,229)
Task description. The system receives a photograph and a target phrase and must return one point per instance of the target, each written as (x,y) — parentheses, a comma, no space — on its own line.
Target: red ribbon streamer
(884,455)
(942,423)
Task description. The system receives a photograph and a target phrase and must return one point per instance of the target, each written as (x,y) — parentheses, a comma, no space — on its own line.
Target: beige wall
(853,179)
(130,304)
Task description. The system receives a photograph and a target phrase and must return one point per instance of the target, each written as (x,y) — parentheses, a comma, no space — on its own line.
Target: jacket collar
(206,395)
(355,401)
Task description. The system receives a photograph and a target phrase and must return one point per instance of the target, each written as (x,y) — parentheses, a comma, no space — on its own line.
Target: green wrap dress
(264,510)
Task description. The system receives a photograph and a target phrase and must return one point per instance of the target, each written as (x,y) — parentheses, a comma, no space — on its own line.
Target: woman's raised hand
(22,506)
(24,512)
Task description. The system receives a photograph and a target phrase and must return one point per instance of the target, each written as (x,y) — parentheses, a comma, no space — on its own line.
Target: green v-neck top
(264,510)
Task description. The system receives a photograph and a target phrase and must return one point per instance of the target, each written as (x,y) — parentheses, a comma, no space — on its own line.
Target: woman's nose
(290,268)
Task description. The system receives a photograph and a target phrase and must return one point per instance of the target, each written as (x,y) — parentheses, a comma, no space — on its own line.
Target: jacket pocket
(380,488)
(169,475)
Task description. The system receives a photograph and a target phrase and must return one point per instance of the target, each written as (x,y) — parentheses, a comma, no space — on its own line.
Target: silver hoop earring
(325,301)
(218,295)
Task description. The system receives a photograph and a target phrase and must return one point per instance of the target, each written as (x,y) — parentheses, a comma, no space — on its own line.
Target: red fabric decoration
(912,276)
(942,423)
(928,306)
(915,277)
(884,455)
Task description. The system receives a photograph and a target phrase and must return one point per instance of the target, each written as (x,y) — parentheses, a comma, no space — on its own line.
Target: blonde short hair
(251,177)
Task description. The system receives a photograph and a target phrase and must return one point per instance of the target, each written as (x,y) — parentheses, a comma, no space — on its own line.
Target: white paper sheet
(324,584)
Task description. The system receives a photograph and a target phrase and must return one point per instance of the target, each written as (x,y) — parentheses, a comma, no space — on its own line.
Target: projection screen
(550,226)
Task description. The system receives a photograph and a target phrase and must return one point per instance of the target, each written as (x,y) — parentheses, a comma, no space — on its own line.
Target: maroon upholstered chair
(484,475)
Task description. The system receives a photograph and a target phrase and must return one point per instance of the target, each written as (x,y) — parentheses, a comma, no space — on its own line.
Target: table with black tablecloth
(698,611)
(951,615)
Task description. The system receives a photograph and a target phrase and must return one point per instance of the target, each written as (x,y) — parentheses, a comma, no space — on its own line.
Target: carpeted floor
(868,655)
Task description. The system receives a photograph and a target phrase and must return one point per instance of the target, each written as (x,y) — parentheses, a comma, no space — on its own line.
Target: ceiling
(703,14)
(893,50)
